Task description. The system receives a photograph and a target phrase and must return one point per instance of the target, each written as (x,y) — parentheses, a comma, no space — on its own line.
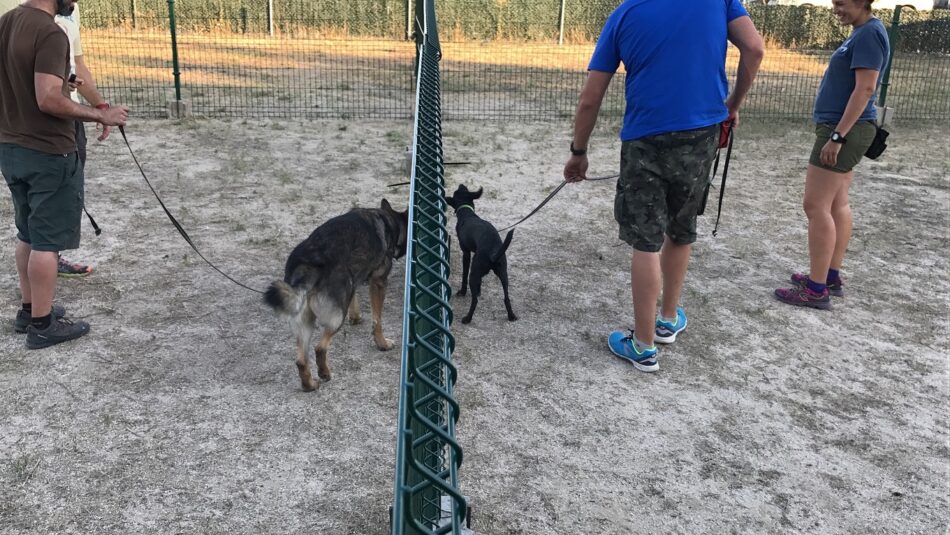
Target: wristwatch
(577,152)
(838,138)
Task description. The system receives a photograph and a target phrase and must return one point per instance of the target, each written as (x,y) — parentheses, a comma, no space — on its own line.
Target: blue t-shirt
(866,48)
(674,52)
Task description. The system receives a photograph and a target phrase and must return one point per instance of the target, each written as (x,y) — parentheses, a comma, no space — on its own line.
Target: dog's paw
(356,320)
(512,317)
(460,293)
(324,376)
(386,345)
(466,320)
(309,386)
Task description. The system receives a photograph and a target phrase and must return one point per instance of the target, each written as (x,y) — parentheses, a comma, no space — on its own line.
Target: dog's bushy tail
(283,298)
(504,246)
(288,297)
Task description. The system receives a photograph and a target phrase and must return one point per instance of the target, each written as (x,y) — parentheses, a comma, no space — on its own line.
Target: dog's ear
(401,245)
(478,193)
(386,206)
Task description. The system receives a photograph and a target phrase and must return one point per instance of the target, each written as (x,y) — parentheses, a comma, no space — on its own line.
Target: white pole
(560,33)
(270,17)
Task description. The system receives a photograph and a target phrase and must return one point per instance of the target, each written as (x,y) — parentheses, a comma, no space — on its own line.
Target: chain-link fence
(503,59)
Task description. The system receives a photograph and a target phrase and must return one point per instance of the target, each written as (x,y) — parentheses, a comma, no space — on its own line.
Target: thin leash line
(725,173)
(551,196)
(174,221)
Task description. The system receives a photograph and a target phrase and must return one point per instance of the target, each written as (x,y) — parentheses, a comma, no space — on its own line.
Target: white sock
(640,346)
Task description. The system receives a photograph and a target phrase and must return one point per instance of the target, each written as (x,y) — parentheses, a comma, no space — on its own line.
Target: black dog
(323,272)
(478,236)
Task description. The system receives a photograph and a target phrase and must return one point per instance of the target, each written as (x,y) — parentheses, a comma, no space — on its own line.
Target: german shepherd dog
(322,273)
(480,237)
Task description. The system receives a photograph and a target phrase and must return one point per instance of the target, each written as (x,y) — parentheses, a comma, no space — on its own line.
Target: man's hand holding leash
(575,170)
(74,83)
(111,116)
(103,128)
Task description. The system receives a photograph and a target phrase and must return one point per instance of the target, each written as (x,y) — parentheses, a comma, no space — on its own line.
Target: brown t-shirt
(31,42)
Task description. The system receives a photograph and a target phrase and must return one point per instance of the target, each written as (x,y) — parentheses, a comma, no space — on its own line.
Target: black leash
(92,221)
(725,173)
(551,196)
(722,189)
(174,221)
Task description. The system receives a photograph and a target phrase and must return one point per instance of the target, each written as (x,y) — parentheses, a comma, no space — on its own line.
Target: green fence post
(175,69)
(132,8)
(243,14)
(893,33)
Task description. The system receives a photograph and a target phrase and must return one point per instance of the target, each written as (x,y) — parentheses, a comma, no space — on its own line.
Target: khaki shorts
(661,186)
(47,192)
(856,144)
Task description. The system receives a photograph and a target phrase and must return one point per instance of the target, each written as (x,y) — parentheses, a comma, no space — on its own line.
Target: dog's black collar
(464,206)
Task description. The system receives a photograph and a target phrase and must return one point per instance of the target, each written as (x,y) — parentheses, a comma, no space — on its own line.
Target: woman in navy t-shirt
(845,126)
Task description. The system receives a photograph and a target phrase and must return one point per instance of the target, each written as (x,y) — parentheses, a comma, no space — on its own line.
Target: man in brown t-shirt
(39,162)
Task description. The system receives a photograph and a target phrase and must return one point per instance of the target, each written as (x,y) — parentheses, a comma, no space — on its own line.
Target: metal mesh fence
(427,498)
(226,75)
(513,59)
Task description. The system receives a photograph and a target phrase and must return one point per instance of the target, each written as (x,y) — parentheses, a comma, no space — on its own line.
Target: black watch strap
(577,152)
(836,137)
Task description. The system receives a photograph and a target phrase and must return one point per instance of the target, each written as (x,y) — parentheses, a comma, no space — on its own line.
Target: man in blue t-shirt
(674,55)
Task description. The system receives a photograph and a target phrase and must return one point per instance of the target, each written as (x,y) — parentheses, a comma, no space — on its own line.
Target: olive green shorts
(47,192)
(856,144)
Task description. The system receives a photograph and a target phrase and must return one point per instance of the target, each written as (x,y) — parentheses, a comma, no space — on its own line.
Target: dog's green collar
(472,208)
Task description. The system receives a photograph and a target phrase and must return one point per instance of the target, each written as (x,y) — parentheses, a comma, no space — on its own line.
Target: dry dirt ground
(181,412)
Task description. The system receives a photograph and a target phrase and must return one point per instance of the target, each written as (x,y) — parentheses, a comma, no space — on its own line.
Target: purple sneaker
(835,288)
(804,297)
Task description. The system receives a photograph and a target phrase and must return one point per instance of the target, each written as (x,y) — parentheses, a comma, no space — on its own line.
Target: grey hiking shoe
(59,330)
(23,318)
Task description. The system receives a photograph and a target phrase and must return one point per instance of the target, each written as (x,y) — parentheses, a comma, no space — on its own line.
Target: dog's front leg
(466,264)
(377,292)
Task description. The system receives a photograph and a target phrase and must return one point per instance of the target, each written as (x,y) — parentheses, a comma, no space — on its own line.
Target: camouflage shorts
(661,186)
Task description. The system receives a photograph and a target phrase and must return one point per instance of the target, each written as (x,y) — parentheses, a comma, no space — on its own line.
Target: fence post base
(407,162)
(177,109)
(885,115)
(447,515)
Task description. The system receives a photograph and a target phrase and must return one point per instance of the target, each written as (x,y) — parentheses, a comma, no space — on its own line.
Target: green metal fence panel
(426,495)
(503,60)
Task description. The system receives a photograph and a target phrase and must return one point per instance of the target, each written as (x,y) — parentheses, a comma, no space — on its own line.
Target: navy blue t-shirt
(866,48)
(674,52)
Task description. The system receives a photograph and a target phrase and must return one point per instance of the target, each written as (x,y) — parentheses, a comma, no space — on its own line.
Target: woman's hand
(829,153)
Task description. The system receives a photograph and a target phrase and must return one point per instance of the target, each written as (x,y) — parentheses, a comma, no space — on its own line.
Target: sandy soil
(181,411)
